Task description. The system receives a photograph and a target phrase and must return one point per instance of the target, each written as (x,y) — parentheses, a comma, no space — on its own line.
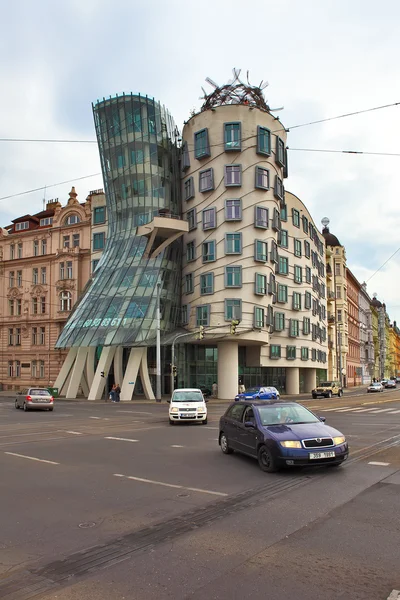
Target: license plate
(314,455)
(186,416)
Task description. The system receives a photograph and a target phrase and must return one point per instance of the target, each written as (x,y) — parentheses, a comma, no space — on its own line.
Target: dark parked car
(280,434)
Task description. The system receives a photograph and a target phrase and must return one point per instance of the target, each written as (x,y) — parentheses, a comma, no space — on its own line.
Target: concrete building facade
(354,369)
(367,351)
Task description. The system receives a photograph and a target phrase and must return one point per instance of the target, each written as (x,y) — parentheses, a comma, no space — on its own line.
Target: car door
(232,420)
(248,436)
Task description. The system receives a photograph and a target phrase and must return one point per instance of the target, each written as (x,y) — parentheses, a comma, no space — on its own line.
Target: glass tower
(137,141)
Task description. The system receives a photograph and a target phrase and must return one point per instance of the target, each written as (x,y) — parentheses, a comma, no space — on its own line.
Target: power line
(344,151)
(49,141)
(49,186)
(385,263)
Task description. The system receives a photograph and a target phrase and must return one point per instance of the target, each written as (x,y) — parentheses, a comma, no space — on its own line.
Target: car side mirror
(249,424)
(323,419)
(205,399)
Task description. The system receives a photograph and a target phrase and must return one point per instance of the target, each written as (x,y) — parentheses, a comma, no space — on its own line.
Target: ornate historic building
(44,266)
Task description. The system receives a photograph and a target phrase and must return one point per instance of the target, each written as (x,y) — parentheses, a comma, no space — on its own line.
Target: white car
(187,404)
(275,391)
(375,387)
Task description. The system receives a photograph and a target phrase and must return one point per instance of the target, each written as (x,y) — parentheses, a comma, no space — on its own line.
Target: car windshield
(253,390)
(326,384)
(187,397)
(34,392)
(376,384)
(294,415)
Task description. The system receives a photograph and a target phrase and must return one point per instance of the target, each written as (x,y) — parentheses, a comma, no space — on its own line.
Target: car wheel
(25,407)
(266,460)
(340,393)
(16,405)
(314,396)
(335,465)
(204,422)
(223,442)
(51,409)
(329,395)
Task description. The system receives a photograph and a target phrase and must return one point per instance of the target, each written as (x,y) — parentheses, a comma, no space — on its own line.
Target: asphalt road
(108,501)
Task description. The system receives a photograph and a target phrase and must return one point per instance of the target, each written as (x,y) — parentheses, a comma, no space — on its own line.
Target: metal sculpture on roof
(236,91)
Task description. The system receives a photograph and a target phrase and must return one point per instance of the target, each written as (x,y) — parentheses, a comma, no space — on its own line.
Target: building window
(12,251)
(19,250)
(206,284)
(21,226)
(42,336)
(209,254)
(274,351)
(34,368)
(99,240)
(297,248)
(190,251)
(99,215)
(259,317)
(306,326)
(18,336)
(261,217)
(260,284)
(11,279)
(233,243)
(233,209)
(294,328)
(283,239)
(209,218)
(313,354)
(307,300)
(305,223)
(206,180)
(272,285)
(184,315)
(95,262)
(46,221)
(11,336)
(69,269)
(66,241)
(41,369)
(260,251)
(284,212)
(43,305)
(233,277)
(65,301)
(232,136)
(62,270)
(280,152)
(307,249)
(11,307)
(185,157)
(203,315)
(295,217)
(192,218)
(337,268)
(19,307)
(276,220)
(296,301)
(283,265)
(72,220)
(262,178)
(233,175)
(188,189)
(10,368)
(278,188)
(274,252)
(279,321)
(338,292)
(35,276)
(291,352)
(43,275)
(44,246)
(298,274)
(34,306)
(19,278)
(308,275)
(282,293)
(263,140)
(201,144)
(75,240)
(35,247)
(339,316)
(233,309)
(189,283)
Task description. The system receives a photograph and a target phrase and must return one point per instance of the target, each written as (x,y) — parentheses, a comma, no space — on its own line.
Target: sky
(321,58)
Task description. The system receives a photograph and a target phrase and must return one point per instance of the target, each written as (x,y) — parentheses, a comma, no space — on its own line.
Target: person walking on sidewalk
(112,393)
(117,392)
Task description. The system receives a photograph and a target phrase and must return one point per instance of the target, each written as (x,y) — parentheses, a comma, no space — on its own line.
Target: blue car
(280,434)
(258,393)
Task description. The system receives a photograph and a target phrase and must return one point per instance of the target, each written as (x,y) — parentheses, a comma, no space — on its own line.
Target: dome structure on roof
(375,302)
(330,239)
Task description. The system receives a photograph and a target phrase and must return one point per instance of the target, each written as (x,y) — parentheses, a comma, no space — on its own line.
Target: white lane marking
(170,485)
(49,462)
(74,432)
(207,427)
(380,410)
(120,439)
(331,409)
(394,412)
(94,417)
(394,595)
(366,409)
(379,464)
(346,410)
(176,446)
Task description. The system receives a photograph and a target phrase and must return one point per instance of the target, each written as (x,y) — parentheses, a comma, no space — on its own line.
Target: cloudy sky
(321,58)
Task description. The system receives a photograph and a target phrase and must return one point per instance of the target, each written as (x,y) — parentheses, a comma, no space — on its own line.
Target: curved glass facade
(139,156)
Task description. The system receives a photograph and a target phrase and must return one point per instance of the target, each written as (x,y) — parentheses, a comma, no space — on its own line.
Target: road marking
(94,417)
(207,427)
(49,462)
(120,439)
(394,595)
(366,409)
(379,464)
(380,410)
(170,485)
(394,412)
(176,446)
(74,432)
(346,409)
(331,409)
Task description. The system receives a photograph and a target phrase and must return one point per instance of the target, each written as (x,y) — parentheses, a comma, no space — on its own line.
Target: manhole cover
(183,495)
(86,525)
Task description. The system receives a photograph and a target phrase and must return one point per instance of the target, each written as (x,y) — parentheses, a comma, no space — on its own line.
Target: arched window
(65,301)
(72,219)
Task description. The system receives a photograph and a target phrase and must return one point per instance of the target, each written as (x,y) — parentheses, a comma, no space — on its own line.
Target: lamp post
(158,348)
(339,325)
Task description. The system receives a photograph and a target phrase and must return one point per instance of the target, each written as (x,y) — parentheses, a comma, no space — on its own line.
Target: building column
(118,374)
(65,369)
(292,380)
(90,365)
(132,368)
(228,370)
(77,372)
(310,379)
(97,387)
(144,375)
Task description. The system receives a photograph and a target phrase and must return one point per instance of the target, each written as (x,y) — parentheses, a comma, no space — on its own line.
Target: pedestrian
(112,393)
(117,393)
(242,389)
(214,389)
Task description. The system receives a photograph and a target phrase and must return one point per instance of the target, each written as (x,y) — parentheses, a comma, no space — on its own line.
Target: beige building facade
(44,265)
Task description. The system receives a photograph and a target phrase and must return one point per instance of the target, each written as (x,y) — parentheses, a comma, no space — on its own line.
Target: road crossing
(372,410)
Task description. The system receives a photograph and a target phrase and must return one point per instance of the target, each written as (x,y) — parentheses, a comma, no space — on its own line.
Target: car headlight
(291,444)
(174,409)
(201,410)
(340,439)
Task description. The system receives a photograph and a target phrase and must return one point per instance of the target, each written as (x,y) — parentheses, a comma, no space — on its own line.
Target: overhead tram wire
(49,186)
(385,263)
(344,151)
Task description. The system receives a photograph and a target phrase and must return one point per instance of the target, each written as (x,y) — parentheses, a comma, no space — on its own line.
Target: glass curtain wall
(137,141)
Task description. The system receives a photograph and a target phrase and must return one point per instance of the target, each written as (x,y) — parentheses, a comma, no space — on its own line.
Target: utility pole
(158,349)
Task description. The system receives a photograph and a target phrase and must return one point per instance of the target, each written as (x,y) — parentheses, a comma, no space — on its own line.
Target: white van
(187,404)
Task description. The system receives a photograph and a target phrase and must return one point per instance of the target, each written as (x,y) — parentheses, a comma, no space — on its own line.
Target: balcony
(331,296)
(161,231)
(328,271)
